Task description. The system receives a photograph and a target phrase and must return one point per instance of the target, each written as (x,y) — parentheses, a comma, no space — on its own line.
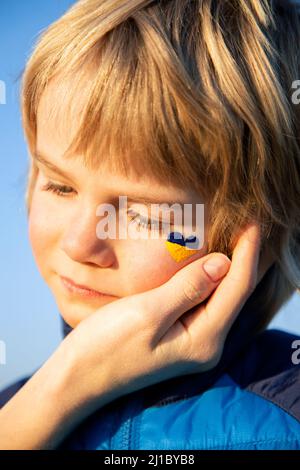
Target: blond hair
(193,92)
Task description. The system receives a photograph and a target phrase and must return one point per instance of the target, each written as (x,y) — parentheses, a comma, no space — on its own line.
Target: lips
(80,288)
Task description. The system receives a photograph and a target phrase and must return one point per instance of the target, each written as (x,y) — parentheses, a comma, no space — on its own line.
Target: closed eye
(145,222)
(60,190)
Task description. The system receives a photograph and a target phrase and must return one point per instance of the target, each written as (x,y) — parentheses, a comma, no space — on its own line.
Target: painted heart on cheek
(180,247)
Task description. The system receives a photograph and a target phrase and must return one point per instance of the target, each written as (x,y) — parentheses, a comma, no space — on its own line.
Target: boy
(190,99)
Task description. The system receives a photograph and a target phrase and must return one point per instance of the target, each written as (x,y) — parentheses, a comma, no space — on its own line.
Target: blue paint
(178,238)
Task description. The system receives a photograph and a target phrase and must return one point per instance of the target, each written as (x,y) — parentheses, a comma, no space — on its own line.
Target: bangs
(195,93)
(139,110)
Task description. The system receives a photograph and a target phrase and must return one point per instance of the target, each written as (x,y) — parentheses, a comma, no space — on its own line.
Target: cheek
(149,264)
(42,230)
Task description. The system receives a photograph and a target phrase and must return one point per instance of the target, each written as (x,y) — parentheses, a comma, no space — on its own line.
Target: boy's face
(62,228)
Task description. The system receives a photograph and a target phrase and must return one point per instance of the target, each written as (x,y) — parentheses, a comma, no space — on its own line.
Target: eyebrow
(133,198)
(44,161)
(151,200)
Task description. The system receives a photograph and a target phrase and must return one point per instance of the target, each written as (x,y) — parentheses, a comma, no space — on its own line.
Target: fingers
(230,296)
(187,288)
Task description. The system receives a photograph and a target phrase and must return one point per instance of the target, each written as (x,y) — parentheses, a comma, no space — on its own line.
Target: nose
(80,241)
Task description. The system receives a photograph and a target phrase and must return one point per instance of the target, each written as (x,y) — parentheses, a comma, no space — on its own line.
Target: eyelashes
(145,222)
(134,217)
(60,190)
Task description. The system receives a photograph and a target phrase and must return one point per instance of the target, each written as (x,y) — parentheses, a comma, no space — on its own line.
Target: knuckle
(213,356)
(193,293)
(208,355)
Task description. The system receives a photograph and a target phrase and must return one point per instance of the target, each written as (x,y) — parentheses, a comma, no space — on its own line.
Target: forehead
(59,112)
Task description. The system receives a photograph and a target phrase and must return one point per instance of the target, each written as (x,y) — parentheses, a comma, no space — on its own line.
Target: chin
(75,313)
(73,316)
(72,319)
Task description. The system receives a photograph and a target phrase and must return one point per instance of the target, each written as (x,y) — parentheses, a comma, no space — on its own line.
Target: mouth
(80,289)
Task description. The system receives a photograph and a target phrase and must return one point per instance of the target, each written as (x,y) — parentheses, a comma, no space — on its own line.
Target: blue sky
(29,320)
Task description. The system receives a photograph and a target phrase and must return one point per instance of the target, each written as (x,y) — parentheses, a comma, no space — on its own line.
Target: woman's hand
(175,329)
(168,331)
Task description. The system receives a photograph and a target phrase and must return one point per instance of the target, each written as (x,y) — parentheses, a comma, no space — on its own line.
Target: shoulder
(7,393)
(225,416)
(253,404)
(270,368)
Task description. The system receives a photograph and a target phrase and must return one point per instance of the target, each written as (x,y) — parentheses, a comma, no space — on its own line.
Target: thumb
(188,287)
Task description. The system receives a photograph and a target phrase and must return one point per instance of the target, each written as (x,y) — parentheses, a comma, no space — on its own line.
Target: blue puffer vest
(250,400)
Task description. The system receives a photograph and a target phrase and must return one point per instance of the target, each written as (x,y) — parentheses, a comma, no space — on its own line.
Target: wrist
(73,382)
(43,409)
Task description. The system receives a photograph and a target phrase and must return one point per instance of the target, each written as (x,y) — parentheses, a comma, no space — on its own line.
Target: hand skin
(165,326)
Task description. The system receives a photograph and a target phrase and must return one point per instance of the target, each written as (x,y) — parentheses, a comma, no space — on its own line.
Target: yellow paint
(178,252)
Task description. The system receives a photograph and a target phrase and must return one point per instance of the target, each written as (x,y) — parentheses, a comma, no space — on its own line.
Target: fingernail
(216,267)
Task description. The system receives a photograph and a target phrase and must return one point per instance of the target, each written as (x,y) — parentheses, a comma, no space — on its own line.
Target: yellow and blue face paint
(181,248)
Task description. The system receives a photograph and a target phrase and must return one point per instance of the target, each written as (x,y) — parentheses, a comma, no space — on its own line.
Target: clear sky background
(29,320)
